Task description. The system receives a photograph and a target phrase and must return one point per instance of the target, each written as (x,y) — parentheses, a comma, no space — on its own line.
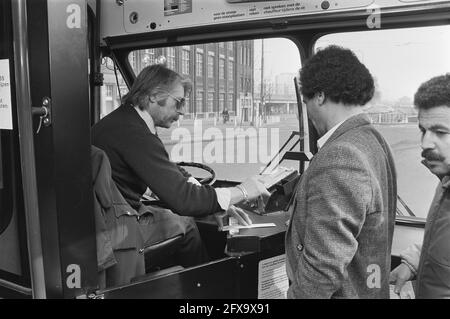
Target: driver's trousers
(155,227)
(158,224)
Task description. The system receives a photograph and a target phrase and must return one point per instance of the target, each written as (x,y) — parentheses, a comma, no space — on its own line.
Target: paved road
(416,185)
(232,159)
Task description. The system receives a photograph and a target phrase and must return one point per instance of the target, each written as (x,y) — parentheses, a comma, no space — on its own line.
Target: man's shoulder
(364,138)
(120,114)
(119,122)
(350,149)
(345,145)
(361,148)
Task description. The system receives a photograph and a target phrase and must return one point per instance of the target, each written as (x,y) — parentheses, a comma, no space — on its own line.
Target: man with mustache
(429,262)
(139,162)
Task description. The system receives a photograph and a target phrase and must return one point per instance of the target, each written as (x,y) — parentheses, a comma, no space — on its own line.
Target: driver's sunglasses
(181,102)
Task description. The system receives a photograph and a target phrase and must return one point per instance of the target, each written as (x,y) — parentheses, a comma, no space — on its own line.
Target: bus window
(110,94)
(226,125)
(400,60)
(11,242)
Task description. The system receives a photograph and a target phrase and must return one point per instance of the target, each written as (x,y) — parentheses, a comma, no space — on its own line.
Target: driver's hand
(236,212)
(255,188)
(194,181)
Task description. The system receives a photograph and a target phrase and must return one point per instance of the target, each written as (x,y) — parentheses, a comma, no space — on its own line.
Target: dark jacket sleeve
(184,172)
(339,194)
(147,157)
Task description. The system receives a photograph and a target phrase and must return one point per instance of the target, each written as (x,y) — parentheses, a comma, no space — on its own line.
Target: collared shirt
(147,119)
(223,194)
(321,141)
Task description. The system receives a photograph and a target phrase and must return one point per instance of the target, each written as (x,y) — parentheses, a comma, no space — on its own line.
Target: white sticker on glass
(5,96)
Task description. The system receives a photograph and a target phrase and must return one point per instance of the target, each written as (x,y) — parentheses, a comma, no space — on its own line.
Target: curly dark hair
(434,92)
(338,73)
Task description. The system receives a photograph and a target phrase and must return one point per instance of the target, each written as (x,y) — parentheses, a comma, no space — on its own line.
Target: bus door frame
(58,64)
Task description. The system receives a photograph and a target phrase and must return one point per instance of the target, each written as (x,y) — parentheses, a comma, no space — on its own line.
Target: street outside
(416,184)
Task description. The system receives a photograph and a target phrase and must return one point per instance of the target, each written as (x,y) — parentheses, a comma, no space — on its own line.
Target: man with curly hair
(429,262)
(338,243)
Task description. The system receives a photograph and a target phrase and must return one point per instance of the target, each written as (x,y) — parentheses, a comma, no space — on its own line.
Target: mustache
(429,155)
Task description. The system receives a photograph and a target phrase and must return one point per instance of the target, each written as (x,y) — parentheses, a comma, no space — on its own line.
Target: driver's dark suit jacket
(139,160)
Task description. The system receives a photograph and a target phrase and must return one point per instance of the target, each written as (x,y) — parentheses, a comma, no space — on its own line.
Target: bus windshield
(400,60)
(227,123)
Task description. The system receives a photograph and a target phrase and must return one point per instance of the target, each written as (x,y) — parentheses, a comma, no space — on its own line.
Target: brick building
(221,73)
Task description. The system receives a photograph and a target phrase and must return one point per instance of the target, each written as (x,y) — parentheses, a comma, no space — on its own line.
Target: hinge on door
(44,112)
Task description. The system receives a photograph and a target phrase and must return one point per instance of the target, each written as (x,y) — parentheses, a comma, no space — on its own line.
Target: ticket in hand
(275,176)
(234,227)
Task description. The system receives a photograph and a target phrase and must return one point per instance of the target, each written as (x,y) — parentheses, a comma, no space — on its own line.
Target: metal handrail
(410,212)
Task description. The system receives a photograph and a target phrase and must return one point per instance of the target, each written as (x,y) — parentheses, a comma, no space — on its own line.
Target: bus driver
(140,161)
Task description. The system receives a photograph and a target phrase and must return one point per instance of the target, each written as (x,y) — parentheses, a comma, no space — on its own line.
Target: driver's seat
(159,255)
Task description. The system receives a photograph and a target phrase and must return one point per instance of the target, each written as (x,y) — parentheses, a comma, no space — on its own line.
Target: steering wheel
(209,180)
